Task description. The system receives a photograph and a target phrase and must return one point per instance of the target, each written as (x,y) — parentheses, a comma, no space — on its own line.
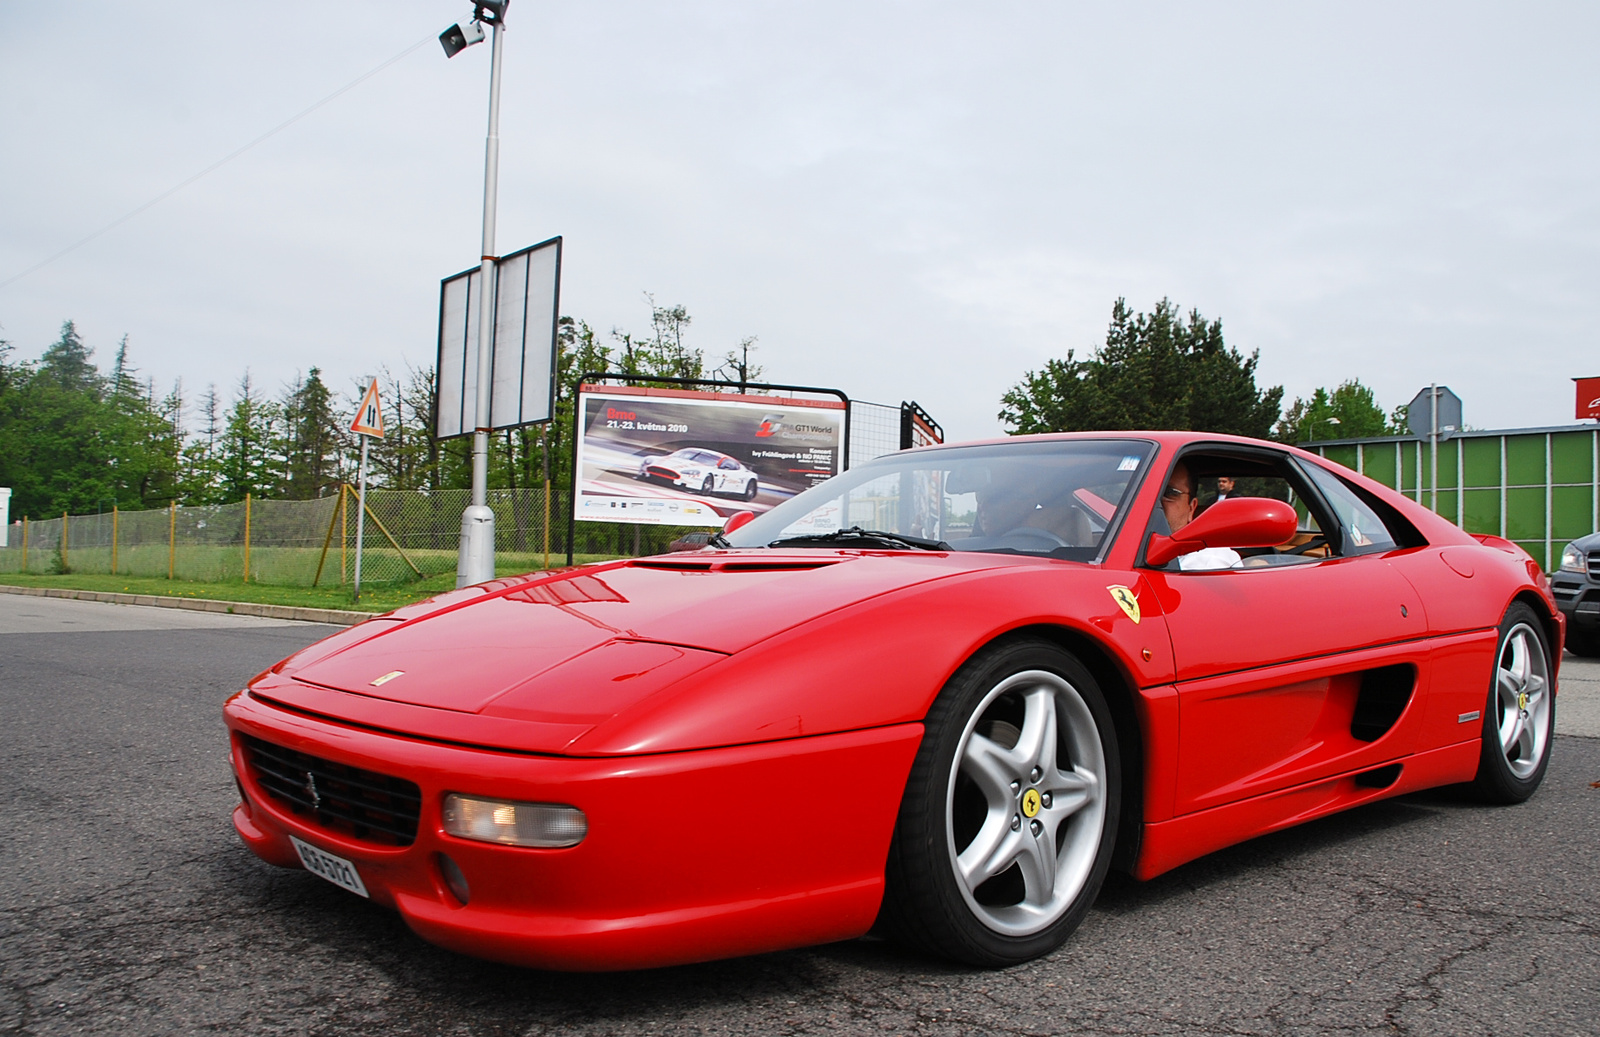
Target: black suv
(1577,588)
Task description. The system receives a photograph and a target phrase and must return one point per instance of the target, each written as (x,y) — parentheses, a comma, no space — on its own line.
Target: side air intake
(1385,693)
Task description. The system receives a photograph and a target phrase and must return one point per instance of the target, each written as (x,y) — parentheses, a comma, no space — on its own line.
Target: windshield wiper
(876,536)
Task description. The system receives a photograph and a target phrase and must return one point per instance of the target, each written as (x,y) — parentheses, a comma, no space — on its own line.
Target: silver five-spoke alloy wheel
(1522,696)
(1043,800)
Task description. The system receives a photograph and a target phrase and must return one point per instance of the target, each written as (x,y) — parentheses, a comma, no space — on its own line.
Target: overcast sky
(904,200)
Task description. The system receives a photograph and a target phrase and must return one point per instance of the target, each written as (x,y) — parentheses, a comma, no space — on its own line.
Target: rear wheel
(750,490)
(1520,713)
(707,486)
(1010,814)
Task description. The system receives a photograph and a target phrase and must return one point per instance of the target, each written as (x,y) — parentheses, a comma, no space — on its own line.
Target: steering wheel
(1036,533)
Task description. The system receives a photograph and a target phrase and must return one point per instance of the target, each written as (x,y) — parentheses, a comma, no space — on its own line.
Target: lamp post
(475,560)
(1311,426)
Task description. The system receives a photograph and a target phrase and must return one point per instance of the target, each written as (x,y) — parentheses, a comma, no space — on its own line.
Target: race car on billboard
(702,471)
(938,697)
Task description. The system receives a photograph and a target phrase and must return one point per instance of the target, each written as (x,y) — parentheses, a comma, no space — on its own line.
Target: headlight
(512,823)
(1572,560)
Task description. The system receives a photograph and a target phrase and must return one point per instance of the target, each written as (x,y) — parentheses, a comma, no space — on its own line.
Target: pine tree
(200,479)
(247,462)
(310,446)
(57,446)
(67,364)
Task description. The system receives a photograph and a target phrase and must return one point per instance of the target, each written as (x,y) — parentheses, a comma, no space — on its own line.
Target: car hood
(537,662)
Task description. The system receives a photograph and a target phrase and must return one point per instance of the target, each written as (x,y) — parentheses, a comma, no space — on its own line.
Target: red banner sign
(1588,397)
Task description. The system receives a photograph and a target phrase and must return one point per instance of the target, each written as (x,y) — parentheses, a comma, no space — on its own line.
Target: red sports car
(941,694)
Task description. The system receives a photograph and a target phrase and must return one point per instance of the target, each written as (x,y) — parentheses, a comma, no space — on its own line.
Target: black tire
(996,919)
(750,490)
(707,486)
(1513,756)
(1586,644)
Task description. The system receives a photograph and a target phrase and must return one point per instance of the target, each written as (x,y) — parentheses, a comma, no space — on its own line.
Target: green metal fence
(1539,487)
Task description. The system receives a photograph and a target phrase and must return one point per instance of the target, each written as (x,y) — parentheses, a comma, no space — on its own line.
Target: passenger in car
(1178,503)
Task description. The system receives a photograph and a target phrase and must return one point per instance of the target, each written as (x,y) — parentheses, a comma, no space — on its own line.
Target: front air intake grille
(1592,563)
(358,803)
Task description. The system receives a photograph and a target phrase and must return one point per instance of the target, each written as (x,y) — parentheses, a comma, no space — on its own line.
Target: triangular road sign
(369,416)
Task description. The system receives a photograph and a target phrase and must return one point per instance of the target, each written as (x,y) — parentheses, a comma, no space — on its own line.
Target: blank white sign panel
(526,308)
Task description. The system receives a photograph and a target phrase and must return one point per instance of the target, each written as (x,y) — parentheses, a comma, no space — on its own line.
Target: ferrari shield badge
(1030,803)
(1126,599)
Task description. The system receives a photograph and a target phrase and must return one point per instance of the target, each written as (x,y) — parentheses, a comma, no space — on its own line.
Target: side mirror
(742,518)
(1235,522)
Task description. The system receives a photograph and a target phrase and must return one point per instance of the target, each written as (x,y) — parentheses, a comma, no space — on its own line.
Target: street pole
(475,562)
(1433,449)
(544,452)
(361,514)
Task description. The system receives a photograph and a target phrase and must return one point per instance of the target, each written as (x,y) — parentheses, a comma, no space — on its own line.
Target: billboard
(527,287)
(1588,397)
(673,457)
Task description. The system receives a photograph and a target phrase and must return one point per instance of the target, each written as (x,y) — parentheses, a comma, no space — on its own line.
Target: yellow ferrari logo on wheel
(1030,803)
(1127,599)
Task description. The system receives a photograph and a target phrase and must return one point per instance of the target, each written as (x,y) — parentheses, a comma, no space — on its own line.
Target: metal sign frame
(915,424)
(511,405)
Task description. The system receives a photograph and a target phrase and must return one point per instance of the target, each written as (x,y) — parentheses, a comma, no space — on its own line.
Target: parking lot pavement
(24,614)
(1578,703)
(129,907)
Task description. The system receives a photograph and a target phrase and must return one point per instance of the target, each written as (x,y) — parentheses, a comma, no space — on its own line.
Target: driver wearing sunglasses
(1178,503)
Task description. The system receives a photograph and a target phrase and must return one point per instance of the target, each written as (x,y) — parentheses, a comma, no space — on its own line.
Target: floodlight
(458,38)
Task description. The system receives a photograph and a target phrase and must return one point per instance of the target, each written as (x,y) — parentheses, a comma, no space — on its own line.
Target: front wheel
(1009,819)
(1519,715)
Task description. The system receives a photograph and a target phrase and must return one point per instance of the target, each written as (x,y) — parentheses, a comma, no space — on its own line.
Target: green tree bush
(1156,371)
(1348,411)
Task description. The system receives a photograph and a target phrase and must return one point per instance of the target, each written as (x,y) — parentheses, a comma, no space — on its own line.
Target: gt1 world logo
(769,426)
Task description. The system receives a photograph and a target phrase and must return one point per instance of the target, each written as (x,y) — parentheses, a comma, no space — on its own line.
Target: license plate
(336,870)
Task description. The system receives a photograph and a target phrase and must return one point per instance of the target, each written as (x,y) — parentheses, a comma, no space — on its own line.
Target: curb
(340,617)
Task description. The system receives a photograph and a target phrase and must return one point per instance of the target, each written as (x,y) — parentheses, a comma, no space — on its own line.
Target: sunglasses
(1172,493)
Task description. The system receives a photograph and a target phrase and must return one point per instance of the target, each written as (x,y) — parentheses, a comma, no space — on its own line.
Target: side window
(1363,532)
(1199,480)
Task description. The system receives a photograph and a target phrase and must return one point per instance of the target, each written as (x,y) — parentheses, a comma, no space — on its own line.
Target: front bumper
(1578,599)
(689,857)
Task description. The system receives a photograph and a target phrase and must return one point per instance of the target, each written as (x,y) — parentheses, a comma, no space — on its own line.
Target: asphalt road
(128,906)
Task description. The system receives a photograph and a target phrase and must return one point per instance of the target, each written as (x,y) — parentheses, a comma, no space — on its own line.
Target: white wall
(5,514)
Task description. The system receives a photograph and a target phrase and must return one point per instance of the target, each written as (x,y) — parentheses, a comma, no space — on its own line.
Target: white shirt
(1209,558)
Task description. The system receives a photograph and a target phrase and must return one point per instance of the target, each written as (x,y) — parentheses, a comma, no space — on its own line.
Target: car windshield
(1052,497)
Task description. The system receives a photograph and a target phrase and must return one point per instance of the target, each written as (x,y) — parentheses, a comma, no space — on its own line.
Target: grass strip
(374,597)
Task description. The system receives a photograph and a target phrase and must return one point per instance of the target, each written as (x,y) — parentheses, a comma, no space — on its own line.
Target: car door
(1292,666)
(728,476)
(1462,611)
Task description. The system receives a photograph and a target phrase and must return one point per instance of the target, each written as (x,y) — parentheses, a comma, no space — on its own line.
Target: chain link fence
(408,534)
(874,430)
